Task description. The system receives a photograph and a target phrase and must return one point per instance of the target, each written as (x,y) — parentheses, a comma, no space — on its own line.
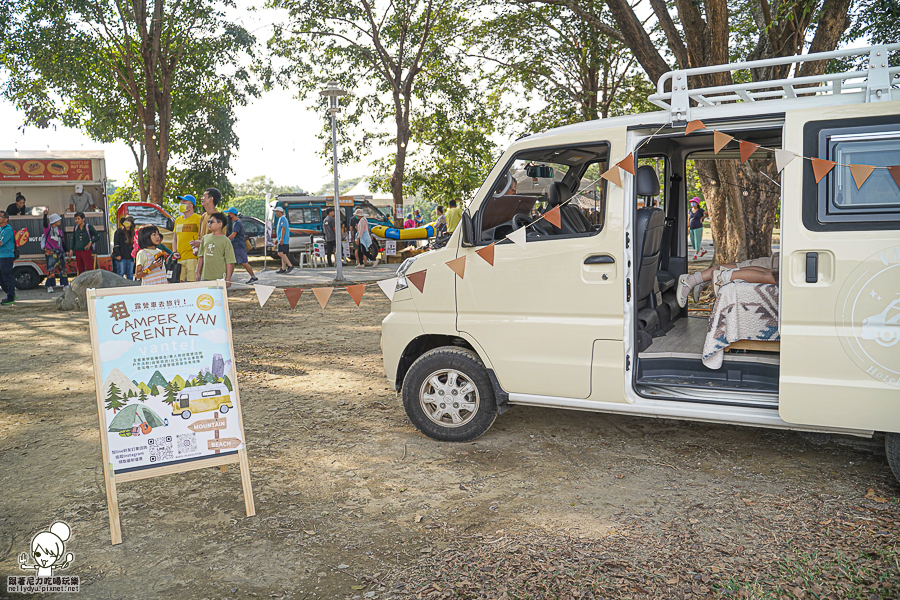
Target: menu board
(29,169)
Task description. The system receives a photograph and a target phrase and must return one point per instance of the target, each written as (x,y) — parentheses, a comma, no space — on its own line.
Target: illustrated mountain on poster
(157,380)
(178,380)
(122,382)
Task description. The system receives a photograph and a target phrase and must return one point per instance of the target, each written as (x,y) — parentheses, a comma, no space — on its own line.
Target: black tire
(892,450)
(26,278)
(223,409)
(475,416)
(186,414)
(294,257)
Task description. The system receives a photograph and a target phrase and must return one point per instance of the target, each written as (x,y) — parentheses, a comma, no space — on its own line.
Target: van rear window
(303,216)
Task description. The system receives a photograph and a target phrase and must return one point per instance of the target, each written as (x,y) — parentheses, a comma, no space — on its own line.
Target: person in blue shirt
(283,240)
(7,258)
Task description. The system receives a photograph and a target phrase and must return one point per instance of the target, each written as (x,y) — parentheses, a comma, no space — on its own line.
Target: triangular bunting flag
(895,173)
(356,292)
(487,253)
(747,149)
(860,173)
(627,163)
(782,158)
(720,140)
(613,176)
(418,280)
(322,295)
(553,216)
(263,292)
(293,295)
(821,167)
(389,286)
(694,126)
(458,266)
(518,237)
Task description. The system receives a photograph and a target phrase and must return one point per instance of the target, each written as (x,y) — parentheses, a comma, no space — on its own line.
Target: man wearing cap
(81,201)
(283,240)
(187,231)
(209,201)
(239,241)
(7,259)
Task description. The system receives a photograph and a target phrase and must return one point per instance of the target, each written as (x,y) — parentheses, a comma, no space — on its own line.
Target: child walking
(53,243)
(151,258)
(695,224)
(216,257)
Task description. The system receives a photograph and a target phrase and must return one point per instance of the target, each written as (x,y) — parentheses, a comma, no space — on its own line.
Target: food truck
(48,180)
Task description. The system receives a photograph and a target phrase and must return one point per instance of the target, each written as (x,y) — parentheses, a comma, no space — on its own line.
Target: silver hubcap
(449,398)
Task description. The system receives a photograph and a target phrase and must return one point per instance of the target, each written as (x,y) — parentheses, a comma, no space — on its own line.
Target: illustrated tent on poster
(132,415)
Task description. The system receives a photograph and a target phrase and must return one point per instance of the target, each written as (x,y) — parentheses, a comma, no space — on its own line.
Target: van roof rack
(875,82)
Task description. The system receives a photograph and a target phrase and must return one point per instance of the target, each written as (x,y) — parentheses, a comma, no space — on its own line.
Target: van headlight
(402,283)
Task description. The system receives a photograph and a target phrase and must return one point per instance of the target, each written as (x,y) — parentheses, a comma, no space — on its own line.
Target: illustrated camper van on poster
(203,398)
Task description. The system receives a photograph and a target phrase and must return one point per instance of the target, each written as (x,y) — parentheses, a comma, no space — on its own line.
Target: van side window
(835,203)
(537,181)
(210,393)
(303,215)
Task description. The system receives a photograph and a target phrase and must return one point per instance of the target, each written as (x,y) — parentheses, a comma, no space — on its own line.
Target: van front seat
(571,219)
(648,232)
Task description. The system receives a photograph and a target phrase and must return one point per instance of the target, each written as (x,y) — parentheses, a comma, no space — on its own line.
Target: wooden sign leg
(112,504)
(245,482)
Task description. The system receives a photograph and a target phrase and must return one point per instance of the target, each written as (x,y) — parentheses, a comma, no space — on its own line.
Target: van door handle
(599,259)
(812,267)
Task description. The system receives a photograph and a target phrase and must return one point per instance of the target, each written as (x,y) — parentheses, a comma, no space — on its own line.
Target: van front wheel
(892,449)
(448,396)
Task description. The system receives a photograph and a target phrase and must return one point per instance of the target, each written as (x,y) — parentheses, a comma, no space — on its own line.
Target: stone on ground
(75,298)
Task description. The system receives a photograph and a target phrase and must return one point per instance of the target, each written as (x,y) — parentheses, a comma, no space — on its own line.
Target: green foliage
(154,391)
(552,53)
(209,378)
(171,390)
(114,399)
(401,61)
(344,185)
(165,83)
(250,196)
(227,383)
(143,396)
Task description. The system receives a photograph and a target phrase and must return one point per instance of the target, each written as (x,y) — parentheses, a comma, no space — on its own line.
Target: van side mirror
(468,230)
(539,171)
(170,224)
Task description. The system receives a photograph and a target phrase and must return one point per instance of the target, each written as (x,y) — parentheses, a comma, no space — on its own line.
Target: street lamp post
(333,92)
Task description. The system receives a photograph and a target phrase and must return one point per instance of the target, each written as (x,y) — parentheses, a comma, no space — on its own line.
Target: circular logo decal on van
(205,302)
(868,316)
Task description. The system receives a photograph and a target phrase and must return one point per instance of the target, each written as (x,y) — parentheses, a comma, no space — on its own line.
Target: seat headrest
(557,193)
(647,181)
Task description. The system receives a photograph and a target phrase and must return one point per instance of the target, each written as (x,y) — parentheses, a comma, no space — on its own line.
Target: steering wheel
(520,220)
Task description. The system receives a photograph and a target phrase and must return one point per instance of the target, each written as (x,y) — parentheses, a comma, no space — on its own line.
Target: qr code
(187,443)
(160,448)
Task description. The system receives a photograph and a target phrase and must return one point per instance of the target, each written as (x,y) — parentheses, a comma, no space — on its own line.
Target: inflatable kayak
(393,233)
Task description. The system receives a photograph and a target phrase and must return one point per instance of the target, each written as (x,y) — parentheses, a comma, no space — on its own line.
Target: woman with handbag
(123,239)
(364,240)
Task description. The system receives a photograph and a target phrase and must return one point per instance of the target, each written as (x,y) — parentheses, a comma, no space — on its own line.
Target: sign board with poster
(167,393)
(39,169)
(390,247)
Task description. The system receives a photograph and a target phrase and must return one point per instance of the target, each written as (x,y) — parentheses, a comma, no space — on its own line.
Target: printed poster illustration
(168,377)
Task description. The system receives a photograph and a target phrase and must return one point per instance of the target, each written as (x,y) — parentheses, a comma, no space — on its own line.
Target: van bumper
(398,329)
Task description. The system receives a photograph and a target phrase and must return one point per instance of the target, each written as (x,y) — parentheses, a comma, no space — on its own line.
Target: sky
(277,133)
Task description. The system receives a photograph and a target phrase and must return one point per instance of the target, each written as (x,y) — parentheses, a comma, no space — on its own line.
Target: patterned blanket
(743,311)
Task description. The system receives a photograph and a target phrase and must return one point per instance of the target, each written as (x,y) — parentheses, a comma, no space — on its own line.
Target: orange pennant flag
(613,176)
(895,173)
(747,149)
(322,295)
(694,126)
(487,253)
(553,216)
(458,266)
(627,163)
(860,173)
(720,140)
(293,295)
(418,280)
(821,167)
(356,292)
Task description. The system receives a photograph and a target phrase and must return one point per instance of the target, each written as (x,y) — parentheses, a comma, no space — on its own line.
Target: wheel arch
(424,343)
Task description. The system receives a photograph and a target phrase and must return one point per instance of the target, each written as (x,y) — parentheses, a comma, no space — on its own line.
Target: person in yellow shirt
(209,201)
(187,230)
(453,216)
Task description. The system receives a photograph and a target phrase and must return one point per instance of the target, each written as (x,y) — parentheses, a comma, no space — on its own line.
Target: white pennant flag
(388,286)
(518,237)
(782,158)
(263,292)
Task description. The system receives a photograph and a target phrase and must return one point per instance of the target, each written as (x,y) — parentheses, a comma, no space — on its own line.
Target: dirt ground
(352,502)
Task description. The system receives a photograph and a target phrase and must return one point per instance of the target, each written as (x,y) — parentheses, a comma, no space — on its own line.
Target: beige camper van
(586,315)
